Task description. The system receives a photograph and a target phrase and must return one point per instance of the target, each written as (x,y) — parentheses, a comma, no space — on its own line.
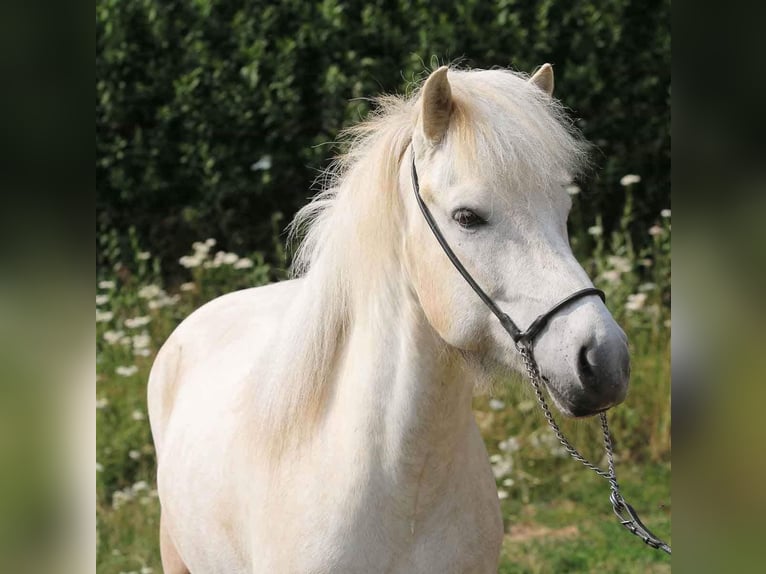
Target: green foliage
(211,115)
(573,529)
(134,315)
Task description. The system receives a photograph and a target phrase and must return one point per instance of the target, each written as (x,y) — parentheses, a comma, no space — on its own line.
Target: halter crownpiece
(525,340)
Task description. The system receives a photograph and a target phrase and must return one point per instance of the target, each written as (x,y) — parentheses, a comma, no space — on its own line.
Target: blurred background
(214,117)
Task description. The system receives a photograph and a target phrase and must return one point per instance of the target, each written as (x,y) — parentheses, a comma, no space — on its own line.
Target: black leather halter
(519,337)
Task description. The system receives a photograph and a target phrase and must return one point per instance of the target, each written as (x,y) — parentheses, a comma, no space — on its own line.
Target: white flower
(635,301)
(126,371)
(130,493)
(621,264)
(243,263)
(655,230)
(223,258)
(647,287)
(508,482)
(150,291)
(262,164)
(595,230)
(134,454)
(104,316)
(210,242)
(647,262)
(164,301)
(101,403)
(106,285)
(121,497)
(502,494)
(146,570)
(665,213)
(141,341)
(142,352)
(511,444)
(496,404)
(138,415)
(143,255)
(190,261)
(501,465)
(612,276)
(140,486)
(136,322)
(629,179)
(201,247)
(190,286)
(573,189)
(99,467)
(102,299)
(113,337)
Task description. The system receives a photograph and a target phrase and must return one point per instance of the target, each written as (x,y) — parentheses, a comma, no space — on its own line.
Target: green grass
(557,514)
(574,530)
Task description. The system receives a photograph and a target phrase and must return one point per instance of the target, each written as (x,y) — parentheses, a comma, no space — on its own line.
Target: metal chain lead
(624,511)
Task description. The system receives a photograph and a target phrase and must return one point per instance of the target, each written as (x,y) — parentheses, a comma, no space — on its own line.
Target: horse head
(493,151)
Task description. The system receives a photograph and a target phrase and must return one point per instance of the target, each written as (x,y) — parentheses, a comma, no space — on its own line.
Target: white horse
(324,424)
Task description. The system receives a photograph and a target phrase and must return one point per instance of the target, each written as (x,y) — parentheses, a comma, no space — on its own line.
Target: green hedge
(211,115)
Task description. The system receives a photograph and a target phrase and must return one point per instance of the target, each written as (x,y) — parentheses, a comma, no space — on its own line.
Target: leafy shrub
(211,114)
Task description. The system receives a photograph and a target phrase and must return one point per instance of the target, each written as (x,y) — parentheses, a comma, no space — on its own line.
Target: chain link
(625,513)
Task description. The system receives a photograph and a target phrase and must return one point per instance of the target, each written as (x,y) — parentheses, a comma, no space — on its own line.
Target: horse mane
(349,235)
(510,142)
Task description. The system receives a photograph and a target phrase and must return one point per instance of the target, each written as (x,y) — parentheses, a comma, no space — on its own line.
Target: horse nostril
(601,369)
(584,366)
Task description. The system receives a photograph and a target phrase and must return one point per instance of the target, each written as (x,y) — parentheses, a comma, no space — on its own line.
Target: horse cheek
(429,284)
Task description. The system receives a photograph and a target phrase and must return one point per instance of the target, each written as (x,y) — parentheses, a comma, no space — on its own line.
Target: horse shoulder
(219,336)
(196,408)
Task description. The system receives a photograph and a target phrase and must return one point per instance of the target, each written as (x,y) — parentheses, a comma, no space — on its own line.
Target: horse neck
(405,390)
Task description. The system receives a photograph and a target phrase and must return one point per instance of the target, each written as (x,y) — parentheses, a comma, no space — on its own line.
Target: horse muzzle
(602,374)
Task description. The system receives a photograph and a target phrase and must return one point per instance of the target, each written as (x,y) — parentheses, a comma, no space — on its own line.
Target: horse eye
(467,218)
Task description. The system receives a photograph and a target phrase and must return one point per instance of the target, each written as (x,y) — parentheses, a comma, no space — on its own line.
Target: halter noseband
(519,337)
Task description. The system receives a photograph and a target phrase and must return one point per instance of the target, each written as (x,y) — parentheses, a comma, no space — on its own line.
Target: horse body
(324,424)
(406,489)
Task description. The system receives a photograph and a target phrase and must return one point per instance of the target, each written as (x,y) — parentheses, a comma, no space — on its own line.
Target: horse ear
(543,79)
(437,105)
